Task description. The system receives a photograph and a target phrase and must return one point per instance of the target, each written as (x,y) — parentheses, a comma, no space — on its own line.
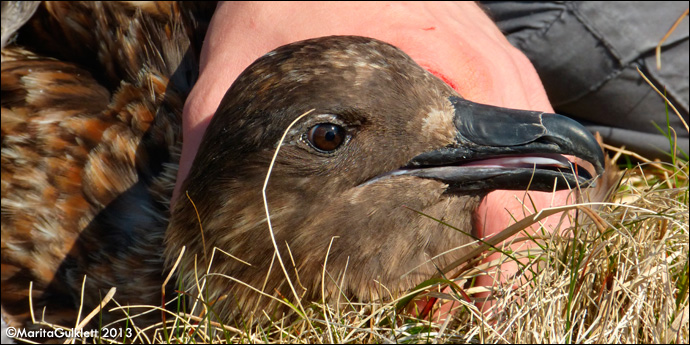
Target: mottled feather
(90,141)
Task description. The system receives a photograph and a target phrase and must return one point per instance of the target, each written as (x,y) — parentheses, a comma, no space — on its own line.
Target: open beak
(499,148)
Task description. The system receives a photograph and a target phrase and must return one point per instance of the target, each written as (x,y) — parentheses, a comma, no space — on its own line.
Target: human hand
(455,41)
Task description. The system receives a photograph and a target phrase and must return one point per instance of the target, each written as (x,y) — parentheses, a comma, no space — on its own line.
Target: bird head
(381,137)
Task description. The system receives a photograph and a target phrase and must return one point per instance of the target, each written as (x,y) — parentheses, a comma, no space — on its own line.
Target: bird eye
(326,137)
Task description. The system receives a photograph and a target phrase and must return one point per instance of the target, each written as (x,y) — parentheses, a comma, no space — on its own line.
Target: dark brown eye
(326,136)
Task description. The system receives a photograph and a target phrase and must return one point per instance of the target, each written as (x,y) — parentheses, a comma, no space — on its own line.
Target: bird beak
(499,148)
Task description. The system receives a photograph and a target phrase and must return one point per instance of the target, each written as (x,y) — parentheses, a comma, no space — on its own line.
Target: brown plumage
(91,138)
(89,146)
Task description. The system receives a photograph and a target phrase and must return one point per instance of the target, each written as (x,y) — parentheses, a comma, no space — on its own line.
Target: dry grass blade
(665,99)
(268,213)
(673,28)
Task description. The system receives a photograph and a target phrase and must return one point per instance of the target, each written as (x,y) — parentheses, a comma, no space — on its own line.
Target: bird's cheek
(396,191)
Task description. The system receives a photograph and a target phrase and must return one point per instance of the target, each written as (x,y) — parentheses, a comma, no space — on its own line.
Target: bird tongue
(556,161)
(507,172)
(540,172)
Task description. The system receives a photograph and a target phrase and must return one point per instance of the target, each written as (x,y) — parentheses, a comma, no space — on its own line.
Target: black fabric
(587,55)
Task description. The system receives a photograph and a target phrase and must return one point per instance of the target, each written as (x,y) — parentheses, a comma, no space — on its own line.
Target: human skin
(455,41)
